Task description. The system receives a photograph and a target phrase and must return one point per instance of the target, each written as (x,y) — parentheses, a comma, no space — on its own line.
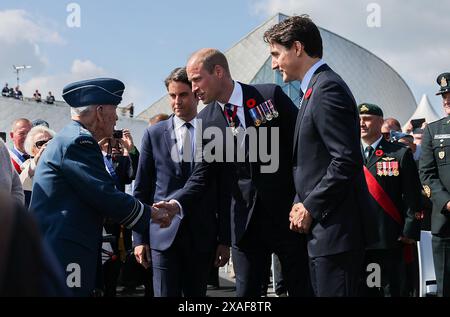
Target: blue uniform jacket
(72,193)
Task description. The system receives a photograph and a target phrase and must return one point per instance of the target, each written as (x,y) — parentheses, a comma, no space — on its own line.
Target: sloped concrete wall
(57,115)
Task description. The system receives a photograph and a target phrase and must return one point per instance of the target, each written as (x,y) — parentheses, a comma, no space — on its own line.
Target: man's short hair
(20,120)
(158,117)
(179,75)
(210,58)
(393,124)
(297,28)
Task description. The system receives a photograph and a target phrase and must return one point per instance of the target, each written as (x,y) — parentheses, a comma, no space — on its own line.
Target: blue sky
(140,42)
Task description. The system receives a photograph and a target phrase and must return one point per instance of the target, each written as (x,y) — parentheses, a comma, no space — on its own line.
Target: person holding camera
(121,159)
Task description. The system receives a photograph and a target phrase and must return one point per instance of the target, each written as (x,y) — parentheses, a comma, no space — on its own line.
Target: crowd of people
(350,192)
(16,93)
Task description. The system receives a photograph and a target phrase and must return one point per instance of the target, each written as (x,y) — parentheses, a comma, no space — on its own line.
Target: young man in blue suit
(258,192)
(328,166)
(181,254)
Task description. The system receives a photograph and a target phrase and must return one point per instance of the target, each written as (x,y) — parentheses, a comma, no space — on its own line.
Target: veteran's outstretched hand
(161,216)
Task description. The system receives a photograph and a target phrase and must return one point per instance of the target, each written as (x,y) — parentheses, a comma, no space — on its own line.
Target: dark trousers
(180,271)
(336,275)
(392,270)
(251,271)
(441,258)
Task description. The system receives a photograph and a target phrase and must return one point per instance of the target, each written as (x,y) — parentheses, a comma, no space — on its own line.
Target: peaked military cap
(443,81)
(98,91)
(370,108)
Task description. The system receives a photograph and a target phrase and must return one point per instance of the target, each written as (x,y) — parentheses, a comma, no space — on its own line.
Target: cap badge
(364,108)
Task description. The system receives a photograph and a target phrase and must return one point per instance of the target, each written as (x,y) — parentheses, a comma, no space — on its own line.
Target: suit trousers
(180,271)
(441,258)
(250,269)
(392,269)
(336,275)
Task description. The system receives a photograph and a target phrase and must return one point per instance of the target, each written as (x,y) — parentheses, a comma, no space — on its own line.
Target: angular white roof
(369,78)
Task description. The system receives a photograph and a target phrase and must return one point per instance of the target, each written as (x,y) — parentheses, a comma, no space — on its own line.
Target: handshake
(164,211)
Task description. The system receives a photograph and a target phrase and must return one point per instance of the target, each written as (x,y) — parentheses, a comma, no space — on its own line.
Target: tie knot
(188,125)
(229,108)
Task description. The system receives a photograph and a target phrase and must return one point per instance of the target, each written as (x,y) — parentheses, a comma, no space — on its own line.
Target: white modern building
(369,77)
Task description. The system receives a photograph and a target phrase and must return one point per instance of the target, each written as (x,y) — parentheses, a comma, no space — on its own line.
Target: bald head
(209,58)
(19,131)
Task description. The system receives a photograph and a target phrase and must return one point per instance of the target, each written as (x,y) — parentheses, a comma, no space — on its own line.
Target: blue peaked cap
(97,91)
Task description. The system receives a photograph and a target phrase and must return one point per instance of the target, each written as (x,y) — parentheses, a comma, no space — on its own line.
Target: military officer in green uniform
(435,176)
(394,186)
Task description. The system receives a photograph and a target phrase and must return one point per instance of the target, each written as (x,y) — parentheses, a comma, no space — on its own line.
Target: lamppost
(18,69)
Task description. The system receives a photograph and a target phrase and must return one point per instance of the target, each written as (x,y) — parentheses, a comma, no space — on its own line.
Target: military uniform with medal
(435,176)
(395,189)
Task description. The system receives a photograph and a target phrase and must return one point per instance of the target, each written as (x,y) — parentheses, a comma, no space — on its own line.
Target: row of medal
(263,112)
(387,169)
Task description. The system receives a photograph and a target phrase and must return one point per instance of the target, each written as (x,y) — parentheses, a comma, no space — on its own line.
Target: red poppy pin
(379,152)
(308,93)
(251,103)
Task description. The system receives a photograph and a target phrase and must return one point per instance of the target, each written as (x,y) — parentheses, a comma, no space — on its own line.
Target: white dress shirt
(237,99)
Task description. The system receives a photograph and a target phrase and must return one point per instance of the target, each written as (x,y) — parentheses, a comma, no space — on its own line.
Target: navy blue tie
(300,96)
(186,151)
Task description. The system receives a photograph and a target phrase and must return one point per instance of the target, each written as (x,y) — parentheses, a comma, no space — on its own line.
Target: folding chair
(427,276)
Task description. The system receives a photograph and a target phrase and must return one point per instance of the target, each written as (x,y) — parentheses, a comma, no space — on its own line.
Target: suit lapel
(374,158)
(171,141)
(304,103)
(246,95)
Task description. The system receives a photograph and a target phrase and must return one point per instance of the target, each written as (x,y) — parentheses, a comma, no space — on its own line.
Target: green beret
(370,108)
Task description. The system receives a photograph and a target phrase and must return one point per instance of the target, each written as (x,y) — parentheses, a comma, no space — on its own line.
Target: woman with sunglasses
(35,144)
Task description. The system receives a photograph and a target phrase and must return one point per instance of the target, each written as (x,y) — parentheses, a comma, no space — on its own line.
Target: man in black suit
(328,173)
(393,182)
(258,190)
(181,254)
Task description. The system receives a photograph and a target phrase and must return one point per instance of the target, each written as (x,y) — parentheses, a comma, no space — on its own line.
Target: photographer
(121,159)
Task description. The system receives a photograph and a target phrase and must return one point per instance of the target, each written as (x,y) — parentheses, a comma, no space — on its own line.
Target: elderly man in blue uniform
(72,191)
(434,168)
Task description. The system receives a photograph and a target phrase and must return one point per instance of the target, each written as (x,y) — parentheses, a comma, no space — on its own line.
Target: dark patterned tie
(369,152)
(300,96)
(229,110)
(186,151)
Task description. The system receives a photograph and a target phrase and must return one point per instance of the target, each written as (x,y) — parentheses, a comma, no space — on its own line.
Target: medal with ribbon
(232,119)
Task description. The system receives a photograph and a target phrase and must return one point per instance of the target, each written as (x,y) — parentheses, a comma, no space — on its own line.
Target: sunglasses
(38,144)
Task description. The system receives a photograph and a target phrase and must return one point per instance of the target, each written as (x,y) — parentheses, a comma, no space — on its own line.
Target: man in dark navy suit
(73,192)
(257,190)
(328,174)
(181,254)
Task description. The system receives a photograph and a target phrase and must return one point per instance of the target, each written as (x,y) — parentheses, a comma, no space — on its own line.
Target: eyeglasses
(39,144)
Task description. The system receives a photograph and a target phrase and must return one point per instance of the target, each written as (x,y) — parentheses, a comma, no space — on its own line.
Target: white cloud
(20,37)
(79,70)
(18,25)
(82,70)
(412,36)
